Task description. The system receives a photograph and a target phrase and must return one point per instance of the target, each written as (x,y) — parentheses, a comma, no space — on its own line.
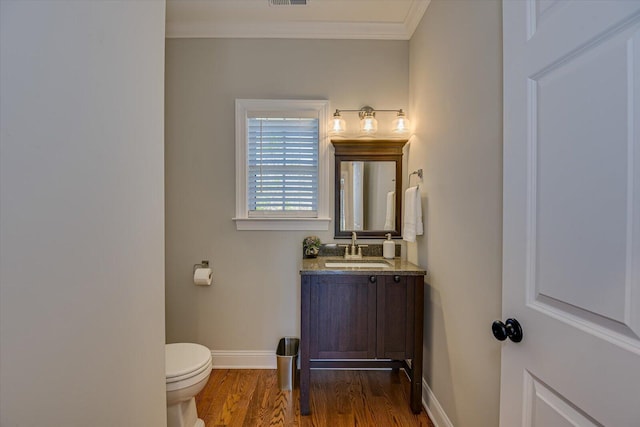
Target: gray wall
(81,214)
(254,299)
(456,105)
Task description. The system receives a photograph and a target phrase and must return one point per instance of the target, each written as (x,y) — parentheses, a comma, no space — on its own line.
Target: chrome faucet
(354,238)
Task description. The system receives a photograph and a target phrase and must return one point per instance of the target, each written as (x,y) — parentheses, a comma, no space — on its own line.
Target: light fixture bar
(367,109)
(368,122)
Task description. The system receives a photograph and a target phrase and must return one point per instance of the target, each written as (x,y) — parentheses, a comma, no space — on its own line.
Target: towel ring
(416,172)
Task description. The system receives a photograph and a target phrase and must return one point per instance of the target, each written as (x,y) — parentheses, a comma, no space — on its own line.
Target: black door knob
(509,329)
(372,279)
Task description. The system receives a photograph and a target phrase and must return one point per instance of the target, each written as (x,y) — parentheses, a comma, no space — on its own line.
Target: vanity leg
(416,393)
(416,362)
(304,390)
(305,368)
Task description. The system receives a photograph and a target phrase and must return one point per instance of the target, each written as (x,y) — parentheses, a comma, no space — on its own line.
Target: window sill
(293,224)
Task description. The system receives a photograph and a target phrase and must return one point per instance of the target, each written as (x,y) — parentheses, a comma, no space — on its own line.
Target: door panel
(395,317)
(343,317)
(545,408)
(582,178)
(571,219)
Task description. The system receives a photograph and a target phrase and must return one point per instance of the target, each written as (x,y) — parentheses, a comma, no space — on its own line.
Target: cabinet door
(395,317)
(342,317)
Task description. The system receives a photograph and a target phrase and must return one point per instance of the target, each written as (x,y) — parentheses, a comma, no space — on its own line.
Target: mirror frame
(348,150)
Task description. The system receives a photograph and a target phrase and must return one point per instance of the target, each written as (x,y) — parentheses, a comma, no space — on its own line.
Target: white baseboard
(243,359)
(433,407)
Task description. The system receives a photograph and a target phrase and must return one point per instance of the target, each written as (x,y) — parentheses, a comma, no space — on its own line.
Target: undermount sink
(358,264)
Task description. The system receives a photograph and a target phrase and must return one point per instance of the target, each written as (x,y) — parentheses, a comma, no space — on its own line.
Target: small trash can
(287,355)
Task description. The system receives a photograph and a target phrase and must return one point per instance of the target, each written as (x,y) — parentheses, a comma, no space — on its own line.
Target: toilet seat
(186,360)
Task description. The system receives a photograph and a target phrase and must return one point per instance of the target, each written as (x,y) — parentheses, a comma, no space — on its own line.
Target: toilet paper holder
(203,264)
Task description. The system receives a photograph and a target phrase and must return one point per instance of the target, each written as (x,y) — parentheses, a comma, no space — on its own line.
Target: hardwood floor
(251,398)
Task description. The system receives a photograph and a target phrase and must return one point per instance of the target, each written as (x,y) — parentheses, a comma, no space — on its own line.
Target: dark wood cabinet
(361,321)
(395,317)
(343,317)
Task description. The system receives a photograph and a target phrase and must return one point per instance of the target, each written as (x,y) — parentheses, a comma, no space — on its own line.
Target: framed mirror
(368,187)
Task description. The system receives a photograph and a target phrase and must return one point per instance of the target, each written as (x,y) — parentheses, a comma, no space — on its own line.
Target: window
(281,166)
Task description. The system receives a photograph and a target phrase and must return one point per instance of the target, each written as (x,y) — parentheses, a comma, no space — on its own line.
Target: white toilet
(187,368)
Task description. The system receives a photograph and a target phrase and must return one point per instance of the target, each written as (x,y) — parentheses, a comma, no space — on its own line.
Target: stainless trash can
(287,355)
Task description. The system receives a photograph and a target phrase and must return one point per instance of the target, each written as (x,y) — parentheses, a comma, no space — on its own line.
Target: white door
(571,260)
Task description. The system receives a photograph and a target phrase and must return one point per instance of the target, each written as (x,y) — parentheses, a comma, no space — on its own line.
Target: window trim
(243,222)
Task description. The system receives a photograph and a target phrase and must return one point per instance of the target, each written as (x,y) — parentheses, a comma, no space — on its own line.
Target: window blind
(283,166)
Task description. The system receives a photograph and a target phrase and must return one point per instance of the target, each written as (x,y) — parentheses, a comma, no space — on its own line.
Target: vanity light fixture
(400,124)
(338,125)
(368,122)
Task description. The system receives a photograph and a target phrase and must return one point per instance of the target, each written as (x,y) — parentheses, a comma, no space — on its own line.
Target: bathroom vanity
(361,314)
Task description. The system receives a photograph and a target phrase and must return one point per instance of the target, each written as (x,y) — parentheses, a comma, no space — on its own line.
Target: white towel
(412,224)
(390,218)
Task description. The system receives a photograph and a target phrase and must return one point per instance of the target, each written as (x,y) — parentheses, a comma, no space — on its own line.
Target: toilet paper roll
(202,276)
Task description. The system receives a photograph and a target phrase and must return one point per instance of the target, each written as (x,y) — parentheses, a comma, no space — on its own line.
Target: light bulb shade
(368,124)
(400,124)
(337,126)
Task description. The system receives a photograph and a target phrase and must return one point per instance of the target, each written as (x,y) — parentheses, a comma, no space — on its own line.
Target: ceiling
(318,19)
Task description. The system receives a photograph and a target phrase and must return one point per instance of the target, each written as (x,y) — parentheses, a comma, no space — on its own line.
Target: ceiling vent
(288,2)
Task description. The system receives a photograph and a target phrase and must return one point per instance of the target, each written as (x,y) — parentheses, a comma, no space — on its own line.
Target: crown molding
(414,16)
(206,28)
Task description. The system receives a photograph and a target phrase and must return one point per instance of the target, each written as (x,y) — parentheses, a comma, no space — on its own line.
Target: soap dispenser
(388,247)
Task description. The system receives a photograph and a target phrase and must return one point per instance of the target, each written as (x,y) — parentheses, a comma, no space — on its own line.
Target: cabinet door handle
(372,279)
(396,279)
